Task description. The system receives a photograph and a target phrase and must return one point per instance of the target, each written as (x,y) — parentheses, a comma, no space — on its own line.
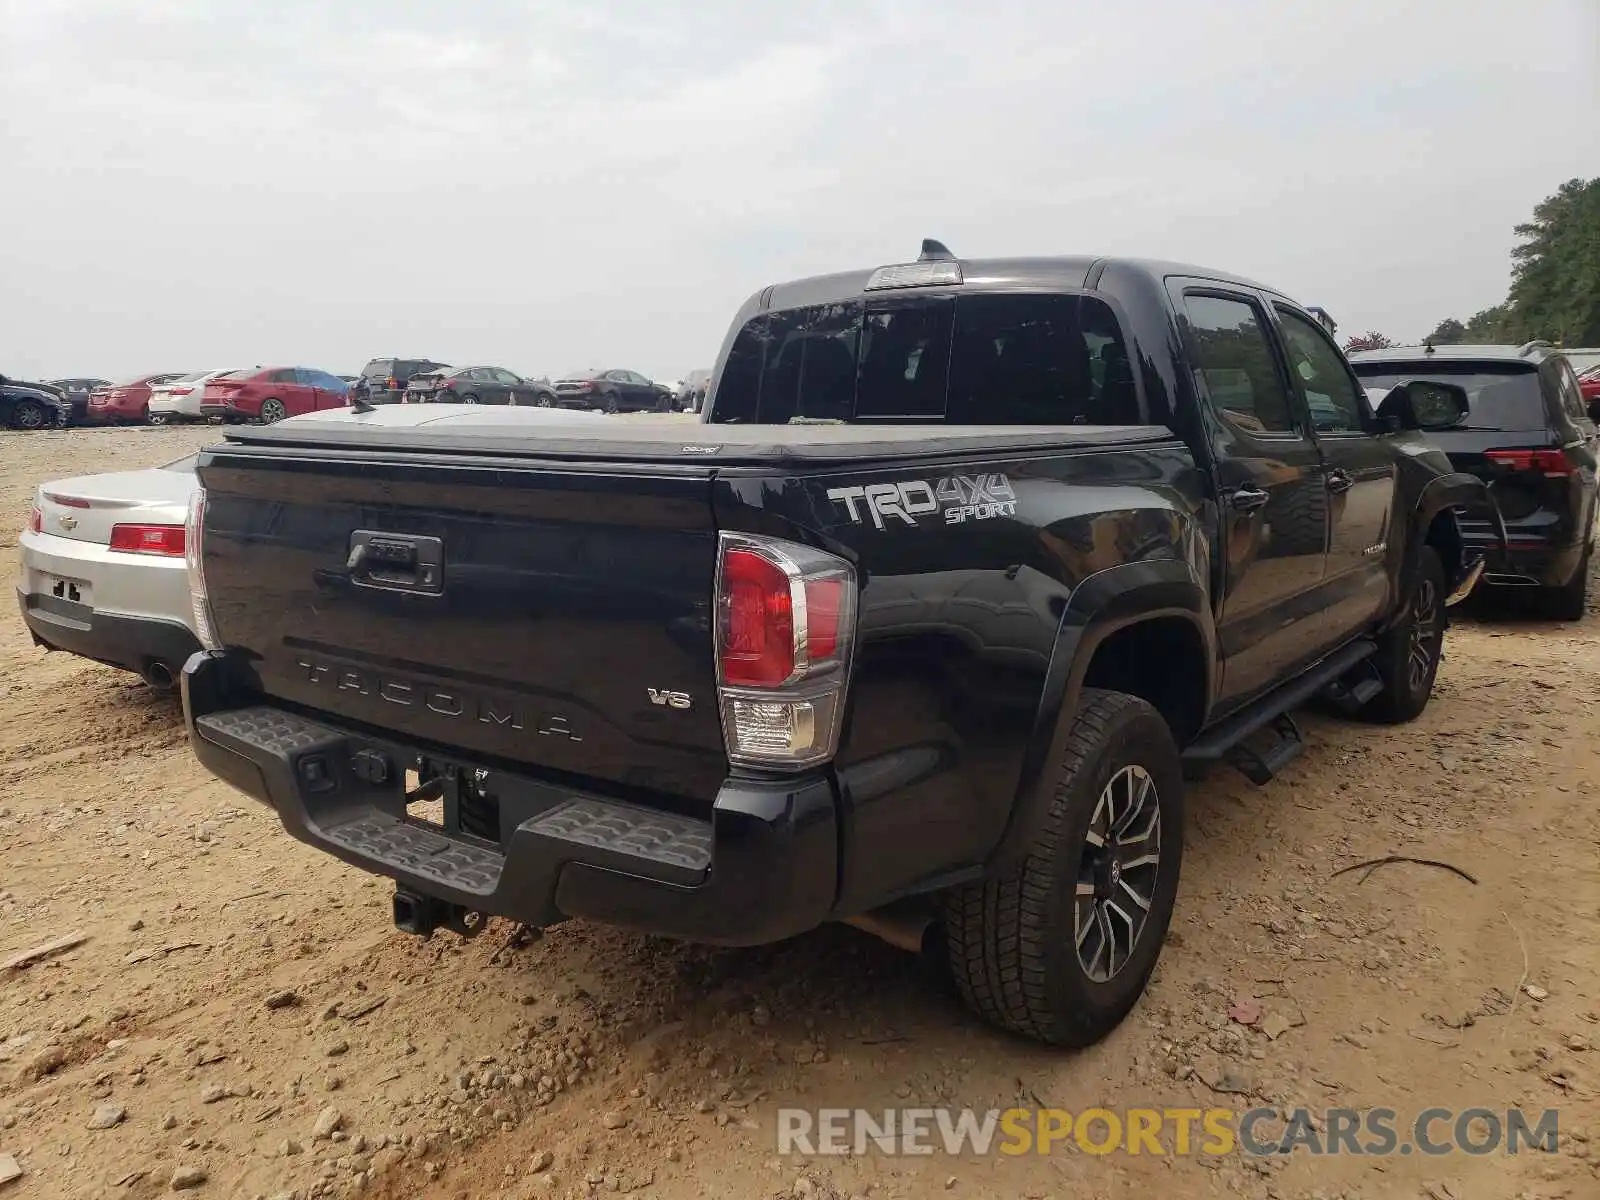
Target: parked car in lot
(103,571)
(180,399)
(1531,436)
(988,564)
(388,378)
(692,390)
(1589,383)
(78,391)
(610,391)
(269,394)
(32,405)
(127,403)
(477,385)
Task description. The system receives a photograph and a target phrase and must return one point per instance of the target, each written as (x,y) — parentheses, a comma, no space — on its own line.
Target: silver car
(103,573)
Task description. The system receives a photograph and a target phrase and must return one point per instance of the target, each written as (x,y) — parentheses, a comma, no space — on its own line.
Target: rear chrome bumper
(763,867)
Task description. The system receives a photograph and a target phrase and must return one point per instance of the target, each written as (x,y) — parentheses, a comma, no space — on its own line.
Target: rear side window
(1237,365)
(990,359)
(1500,399)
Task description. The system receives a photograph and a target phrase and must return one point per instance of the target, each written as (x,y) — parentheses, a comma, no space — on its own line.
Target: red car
(126,401)
(269,394)
(1589,383)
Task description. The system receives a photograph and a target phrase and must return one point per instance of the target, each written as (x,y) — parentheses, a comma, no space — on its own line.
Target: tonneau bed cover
(581,437)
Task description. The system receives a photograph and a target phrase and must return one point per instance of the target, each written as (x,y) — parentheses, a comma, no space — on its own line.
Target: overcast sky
(559,184)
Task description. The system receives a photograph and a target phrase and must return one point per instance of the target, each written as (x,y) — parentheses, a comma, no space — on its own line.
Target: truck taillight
(36,520)
(785,627)
(199,598)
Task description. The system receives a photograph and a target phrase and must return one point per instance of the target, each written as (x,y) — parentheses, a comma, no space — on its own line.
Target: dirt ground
(242,1009)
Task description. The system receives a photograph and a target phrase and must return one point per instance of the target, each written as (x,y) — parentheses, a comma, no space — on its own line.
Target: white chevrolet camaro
(103,573)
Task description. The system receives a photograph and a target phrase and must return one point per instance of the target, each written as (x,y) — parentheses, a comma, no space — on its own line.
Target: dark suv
(1530,435)
(386,378)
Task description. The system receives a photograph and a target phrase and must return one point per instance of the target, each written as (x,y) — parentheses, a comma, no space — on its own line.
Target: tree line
(1555,281)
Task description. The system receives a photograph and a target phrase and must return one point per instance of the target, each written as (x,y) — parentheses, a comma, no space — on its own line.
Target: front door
(1274,519)
(504,385)
(1360,473)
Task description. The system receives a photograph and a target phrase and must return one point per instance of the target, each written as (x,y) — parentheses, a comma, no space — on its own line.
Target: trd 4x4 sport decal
(960,498)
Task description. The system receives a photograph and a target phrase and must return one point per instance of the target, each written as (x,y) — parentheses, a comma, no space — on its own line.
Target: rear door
(1359,473)
(288,386)
(1274,498)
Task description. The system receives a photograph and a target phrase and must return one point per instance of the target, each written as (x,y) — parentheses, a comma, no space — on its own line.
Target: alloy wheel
(1422,646)
(1117,873)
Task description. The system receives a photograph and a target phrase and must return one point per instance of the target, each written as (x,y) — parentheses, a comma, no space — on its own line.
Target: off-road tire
(1406,691)
(1009,939)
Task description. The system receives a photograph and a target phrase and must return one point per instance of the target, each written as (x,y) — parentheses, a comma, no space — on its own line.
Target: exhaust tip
(158,675)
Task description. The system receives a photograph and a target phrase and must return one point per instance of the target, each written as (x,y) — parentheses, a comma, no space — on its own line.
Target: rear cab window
(975,359)
(1501,397)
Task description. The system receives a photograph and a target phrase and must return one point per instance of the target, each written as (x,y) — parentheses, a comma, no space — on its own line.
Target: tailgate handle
(396,562)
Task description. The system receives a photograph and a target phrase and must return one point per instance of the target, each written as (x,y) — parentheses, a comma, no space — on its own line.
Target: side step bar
(1224,740)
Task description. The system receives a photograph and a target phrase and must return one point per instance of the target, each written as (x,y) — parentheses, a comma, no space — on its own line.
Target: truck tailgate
(533,617)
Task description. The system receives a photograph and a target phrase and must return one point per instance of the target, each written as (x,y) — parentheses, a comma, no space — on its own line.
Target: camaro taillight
(199,599)
(1552,463)
(148,539)
(786,616)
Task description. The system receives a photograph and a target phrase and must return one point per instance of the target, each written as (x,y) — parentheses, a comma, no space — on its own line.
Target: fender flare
(1441,494)
(1108,601)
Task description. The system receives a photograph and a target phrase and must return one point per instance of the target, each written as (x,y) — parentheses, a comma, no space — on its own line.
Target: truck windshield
(1499,400)
(991,359)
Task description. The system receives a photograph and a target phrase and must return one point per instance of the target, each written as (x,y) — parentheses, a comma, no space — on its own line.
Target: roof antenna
(935,251)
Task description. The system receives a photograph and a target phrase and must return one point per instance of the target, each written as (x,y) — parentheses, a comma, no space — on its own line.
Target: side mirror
(1423,404)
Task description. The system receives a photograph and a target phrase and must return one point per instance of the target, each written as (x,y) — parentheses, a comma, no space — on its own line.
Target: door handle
(1339,481)
(1248,499)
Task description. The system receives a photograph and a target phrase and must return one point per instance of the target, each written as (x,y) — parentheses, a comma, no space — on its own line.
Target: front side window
(1234,358)
(1331,397)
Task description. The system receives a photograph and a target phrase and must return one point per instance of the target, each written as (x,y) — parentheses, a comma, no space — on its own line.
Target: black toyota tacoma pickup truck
(967,564)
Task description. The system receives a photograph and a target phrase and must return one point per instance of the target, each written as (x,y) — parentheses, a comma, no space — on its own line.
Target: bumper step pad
(641,841)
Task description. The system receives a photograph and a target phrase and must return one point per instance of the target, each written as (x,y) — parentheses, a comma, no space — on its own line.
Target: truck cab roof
(1053,273)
